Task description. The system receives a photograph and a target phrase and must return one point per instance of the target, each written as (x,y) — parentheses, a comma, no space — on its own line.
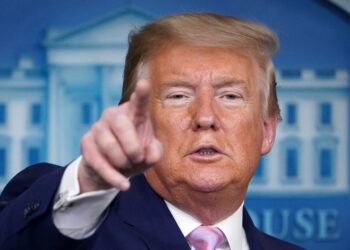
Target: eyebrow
(219,82)
(228,81)
(177,83)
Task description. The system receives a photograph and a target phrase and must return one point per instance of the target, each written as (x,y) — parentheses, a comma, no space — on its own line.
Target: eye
(177,99)
(230,96)
(177,96)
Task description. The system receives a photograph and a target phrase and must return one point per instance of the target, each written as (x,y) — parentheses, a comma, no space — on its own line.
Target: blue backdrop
(61,65)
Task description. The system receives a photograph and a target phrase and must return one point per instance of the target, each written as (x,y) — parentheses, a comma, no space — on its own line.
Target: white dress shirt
(79,215)
(232,227)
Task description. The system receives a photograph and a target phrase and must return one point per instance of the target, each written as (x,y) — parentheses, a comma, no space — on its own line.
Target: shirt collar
(231,226)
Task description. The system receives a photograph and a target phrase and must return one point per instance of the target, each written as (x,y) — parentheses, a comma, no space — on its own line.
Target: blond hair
(206,29)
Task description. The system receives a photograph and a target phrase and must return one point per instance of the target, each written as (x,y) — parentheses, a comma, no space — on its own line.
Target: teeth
(206,151)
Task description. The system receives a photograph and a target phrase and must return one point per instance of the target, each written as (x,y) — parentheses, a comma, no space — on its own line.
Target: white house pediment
(111,30)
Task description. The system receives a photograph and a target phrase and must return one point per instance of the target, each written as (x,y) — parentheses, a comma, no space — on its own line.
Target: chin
(207,183)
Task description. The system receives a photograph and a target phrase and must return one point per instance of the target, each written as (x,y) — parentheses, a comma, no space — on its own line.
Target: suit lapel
(251,232)
(145,211)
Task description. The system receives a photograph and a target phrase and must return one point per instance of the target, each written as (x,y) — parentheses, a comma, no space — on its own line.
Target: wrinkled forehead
(195,63)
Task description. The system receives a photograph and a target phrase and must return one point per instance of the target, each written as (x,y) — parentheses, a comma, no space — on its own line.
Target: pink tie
(206,238)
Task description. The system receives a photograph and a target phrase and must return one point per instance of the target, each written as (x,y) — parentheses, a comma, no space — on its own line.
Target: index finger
(139,100)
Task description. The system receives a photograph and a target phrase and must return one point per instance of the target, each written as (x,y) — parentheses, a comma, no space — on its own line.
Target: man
(199,108)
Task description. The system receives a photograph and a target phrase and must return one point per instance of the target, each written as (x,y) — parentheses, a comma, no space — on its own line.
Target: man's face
(206,112)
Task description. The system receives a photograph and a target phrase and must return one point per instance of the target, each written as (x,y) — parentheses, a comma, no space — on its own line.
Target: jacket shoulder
(260,240)
(270,242)
(24,179)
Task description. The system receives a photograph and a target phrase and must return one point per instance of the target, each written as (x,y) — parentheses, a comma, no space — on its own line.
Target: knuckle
(108,112)
(108,145)
(119,160)
(121,124)
(118,127)
(96,127)
(122,162)
(97,163)
(134,151)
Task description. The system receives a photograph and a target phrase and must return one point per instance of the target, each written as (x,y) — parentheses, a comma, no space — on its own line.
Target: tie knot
(206,238)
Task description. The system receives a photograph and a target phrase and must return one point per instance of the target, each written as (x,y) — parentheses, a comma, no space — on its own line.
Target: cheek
(245,135)
(174,122)
(169,127)
(185,123)
(237,122)
(244,140)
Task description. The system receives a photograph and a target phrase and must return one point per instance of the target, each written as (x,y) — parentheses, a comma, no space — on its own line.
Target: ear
(269,130)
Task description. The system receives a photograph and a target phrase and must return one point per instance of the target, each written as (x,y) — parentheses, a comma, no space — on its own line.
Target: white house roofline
(56,35)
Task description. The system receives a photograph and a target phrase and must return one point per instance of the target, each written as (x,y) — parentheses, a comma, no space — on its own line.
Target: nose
(205,115)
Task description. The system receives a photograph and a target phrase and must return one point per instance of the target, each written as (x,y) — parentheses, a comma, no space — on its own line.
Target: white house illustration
(85,67)
(44,112)
(311,149)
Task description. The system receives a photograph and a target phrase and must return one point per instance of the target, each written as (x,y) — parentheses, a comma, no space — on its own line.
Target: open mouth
(206,151)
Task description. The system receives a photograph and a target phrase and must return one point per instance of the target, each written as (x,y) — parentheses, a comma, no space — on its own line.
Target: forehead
(200,64)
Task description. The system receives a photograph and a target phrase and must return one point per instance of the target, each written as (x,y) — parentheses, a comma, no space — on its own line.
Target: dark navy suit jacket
(137,219)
